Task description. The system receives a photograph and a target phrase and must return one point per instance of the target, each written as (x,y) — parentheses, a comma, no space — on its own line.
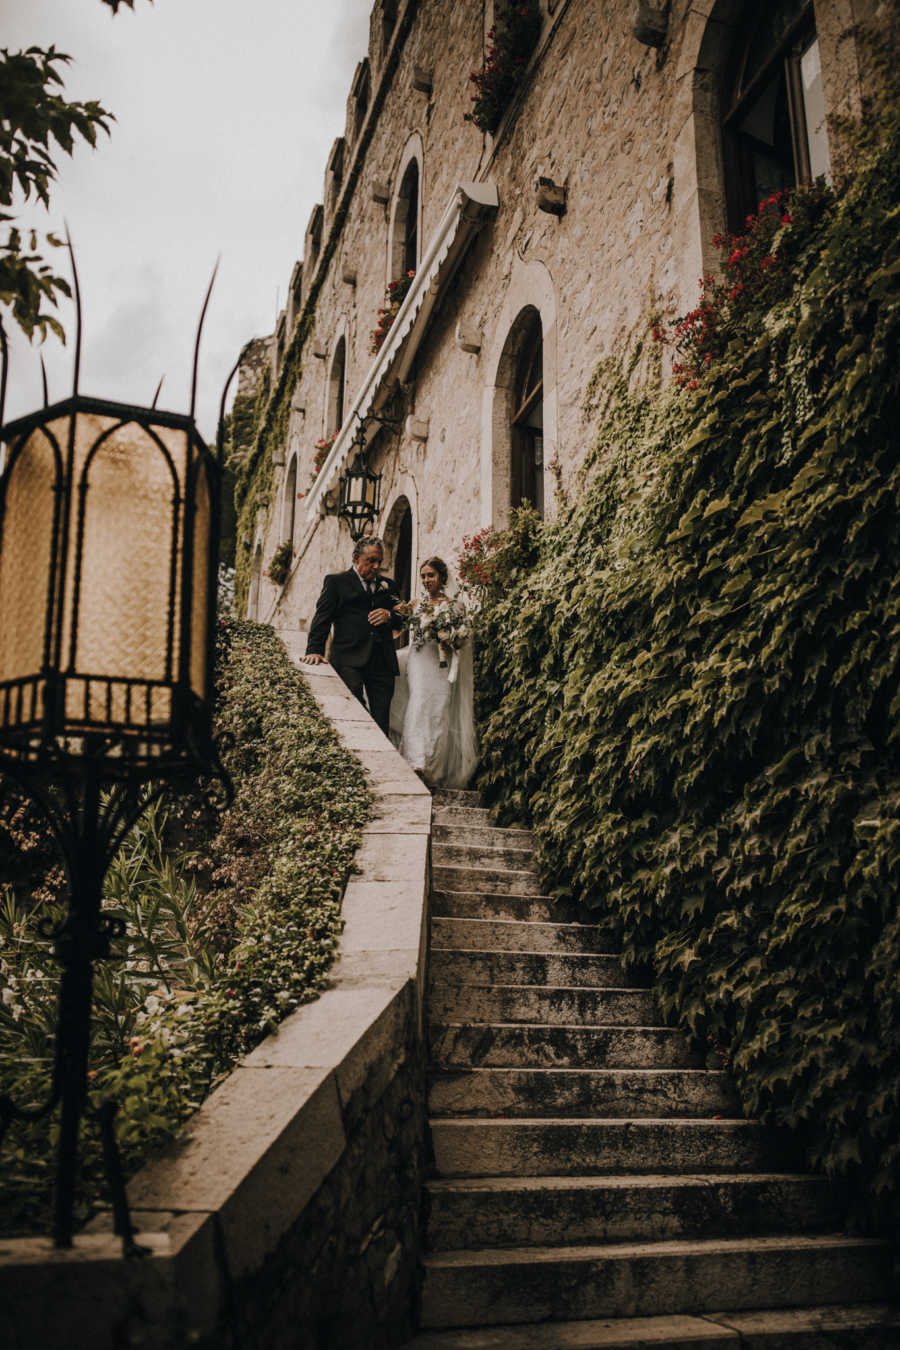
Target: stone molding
(215,1210)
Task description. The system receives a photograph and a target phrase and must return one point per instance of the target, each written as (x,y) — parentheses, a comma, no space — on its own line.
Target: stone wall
(286,1214)
(346,1274)
(629,131)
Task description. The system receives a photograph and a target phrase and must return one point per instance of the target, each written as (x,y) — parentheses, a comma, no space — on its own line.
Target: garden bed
(232,923)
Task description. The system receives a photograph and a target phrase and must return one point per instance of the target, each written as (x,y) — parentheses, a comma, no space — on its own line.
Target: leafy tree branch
(36,123)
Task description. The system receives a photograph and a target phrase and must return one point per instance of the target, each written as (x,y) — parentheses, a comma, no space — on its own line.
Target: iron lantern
(108,547)
(359,498)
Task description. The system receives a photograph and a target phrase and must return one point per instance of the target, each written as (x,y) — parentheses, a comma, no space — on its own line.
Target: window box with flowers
(517,27)
(395,294)
(323,450)
(280,565)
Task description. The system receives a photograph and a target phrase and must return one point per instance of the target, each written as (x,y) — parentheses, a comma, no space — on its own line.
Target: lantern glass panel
(25,561)
(127,593)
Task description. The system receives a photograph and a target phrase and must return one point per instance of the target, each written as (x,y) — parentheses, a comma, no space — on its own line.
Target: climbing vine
(689,684)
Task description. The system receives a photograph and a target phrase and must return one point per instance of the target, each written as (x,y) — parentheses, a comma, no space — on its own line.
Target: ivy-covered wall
(690,682)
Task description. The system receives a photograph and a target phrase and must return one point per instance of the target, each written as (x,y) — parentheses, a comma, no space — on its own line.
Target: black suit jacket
(343,607)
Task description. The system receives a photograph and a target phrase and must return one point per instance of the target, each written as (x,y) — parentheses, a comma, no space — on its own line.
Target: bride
(438,737)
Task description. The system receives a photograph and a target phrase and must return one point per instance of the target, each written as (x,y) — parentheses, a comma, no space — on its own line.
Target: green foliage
(492,559)
(232,920)
(280,565)
(35,122)
(692,691)
(517,27)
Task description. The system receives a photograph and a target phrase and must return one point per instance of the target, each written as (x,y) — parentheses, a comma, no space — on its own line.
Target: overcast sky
(226,111)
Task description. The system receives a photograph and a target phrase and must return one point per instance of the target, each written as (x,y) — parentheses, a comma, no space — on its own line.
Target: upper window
(289,504)
(526,482)
(360,92)
(774,126)
(334,415)
(313,239)
(388,22)
(405,233)
(336,172)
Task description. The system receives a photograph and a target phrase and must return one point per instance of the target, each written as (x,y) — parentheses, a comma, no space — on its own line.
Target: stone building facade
(636,133)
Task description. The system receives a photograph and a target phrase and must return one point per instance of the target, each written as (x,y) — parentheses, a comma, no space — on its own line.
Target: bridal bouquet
(444,622)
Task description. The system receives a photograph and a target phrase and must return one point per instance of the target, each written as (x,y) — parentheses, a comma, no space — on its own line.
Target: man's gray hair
(363,545)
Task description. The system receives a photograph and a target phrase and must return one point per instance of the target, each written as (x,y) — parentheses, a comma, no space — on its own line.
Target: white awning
(469,206)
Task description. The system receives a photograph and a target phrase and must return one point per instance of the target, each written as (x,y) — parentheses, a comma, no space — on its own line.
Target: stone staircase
(593,1186)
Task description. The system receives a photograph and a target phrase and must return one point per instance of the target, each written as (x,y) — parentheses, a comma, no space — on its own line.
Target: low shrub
(232,920)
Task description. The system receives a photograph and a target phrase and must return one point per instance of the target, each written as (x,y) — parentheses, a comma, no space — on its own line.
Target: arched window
(289,503)
(405,228)
(773,106)
(526,478)
(360,91)
(313,240)
(388,23)
(398,539)
(334,417)
(335,172)
(255,578)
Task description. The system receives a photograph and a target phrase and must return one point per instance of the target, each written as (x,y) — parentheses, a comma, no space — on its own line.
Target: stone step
(491,880)
(496,858)
(542,1045)
(860,1326)
(501,1285)
(581,1093)
(512,935)
(542,1003)
(599,970)
(546,1211)
(602,1147)
(863,1326)
(456,797)
(480,836)
(480,905)
(477,816)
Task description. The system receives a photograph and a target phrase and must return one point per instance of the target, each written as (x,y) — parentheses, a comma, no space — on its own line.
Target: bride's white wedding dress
(438,736)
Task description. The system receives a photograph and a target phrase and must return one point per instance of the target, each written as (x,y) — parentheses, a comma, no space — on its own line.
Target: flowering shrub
(395,294)
(490,560)
(231,917)
(280,565)
(323,450)
(517,27)
(757,270)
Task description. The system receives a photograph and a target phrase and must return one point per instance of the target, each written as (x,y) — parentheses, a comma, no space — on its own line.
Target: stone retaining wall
(287,1214)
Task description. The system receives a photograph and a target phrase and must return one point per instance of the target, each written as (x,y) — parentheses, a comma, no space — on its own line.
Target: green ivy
(690,688)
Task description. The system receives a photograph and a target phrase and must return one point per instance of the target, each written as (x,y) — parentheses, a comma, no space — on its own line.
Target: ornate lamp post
(109,525)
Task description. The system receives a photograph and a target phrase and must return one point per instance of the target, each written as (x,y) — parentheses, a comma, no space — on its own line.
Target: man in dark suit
(357,607)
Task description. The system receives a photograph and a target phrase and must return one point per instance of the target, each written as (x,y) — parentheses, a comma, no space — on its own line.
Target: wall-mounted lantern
(359,487)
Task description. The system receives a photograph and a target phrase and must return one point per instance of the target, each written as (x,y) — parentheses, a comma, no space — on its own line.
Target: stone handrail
(291,1198)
